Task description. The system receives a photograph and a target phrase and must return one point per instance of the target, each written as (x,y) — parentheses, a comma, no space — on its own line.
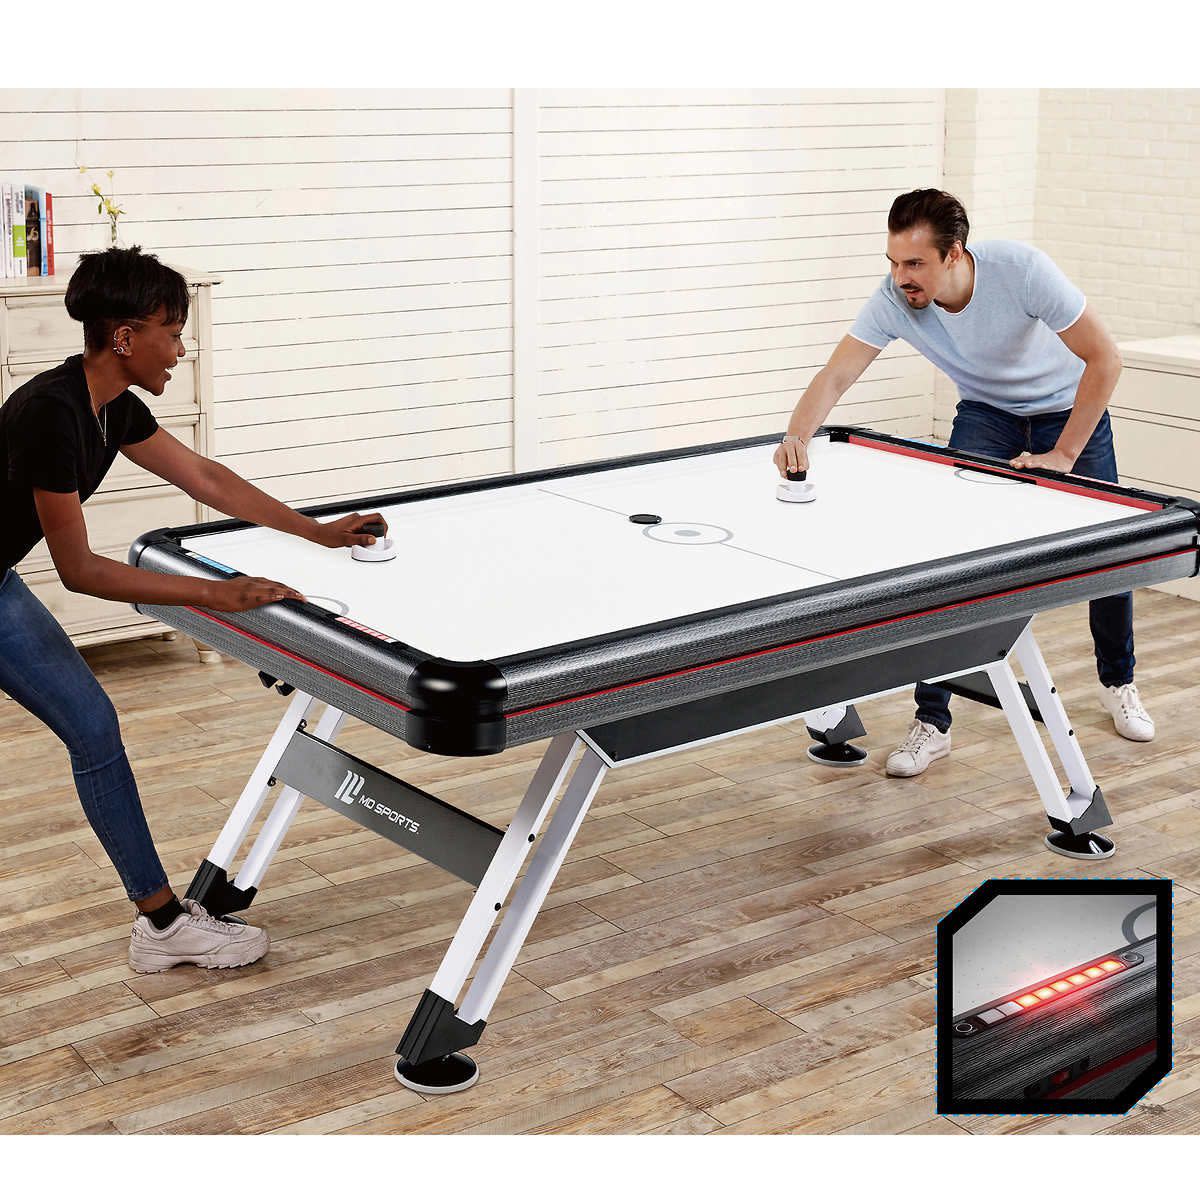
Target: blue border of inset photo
(1029,1105)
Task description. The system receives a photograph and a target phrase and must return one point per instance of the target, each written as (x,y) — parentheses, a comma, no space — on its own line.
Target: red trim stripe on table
(842,633)
(305,662)
(1073,1085)
(932,455)
(722,662)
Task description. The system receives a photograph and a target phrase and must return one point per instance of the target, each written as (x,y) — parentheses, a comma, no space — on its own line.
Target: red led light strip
(1071,983)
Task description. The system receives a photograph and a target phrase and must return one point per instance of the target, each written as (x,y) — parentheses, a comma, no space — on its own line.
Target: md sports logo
(352,785)
(350,791)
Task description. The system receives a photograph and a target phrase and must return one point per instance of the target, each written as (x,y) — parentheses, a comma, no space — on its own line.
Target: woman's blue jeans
(982,429)
(44,673)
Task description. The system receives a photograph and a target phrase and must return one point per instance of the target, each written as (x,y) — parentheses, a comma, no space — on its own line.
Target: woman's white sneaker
(1125,707)
(922,745)
(197,938)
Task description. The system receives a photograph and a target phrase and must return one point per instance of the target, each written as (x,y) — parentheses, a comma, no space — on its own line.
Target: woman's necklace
(100,425)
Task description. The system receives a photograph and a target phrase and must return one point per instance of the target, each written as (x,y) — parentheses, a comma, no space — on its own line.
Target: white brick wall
(989,163)
(990,159)
(1106,182)
(1118,203)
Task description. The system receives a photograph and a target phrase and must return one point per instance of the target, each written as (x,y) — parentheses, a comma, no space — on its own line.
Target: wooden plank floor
(740,941)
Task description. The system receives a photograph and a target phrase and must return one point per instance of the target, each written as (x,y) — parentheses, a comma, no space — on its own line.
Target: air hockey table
(627,608)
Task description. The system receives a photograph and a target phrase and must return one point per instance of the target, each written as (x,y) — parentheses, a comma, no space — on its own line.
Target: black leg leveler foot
(832,730)
(439,1076)
(1078,838)
(839,754)
(1092,846)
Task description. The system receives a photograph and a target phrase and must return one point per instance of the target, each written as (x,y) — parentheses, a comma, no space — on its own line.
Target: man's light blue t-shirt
(1003,349)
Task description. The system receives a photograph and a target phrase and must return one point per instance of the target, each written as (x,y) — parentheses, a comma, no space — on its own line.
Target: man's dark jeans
(982,429)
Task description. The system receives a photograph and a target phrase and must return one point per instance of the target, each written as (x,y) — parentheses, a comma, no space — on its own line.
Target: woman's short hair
(942,212)
(121,285)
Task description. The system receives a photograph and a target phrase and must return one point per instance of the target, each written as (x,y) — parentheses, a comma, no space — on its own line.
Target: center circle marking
(688,533)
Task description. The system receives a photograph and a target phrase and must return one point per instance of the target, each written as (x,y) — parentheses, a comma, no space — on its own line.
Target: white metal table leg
(1076,816)
(494,887)
(1033,751)
(429,1060)
(532,890)
(283,813)
(238,823)
(1054,715)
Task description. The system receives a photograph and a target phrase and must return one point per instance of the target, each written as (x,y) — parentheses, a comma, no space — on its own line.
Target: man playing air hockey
(1035,369)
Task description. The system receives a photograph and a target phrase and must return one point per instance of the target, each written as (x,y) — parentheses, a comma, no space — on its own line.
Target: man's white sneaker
(1124,705)
(195,937)
(921,746)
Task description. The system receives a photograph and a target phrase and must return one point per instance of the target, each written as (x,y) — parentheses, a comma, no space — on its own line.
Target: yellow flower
(107,204)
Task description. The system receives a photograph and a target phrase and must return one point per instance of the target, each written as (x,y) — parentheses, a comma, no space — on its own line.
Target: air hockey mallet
(384,549)
(796,489)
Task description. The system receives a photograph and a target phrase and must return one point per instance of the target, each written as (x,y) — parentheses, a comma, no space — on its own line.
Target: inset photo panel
(1054,996)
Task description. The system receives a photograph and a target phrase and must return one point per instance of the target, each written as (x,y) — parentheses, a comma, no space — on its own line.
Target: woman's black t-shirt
(50,439)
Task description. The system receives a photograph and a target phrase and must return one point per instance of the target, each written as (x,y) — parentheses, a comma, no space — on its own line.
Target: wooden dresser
(1156,422)
(35,334)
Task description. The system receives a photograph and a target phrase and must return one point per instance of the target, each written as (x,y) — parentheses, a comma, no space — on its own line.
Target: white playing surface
(1018,940)
(506,570)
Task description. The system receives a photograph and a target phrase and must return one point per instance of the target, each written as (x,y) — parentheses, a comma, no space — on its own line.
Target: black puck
(646,519)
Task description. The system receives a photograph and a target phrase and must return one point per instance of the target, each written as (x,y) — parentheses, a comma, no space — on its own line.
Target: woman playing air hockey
(59,435)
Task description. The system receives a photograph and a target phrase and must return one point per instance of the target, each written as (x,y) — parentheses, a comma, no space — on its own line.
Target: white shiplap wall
(702,253)
(685,262)
(364,240)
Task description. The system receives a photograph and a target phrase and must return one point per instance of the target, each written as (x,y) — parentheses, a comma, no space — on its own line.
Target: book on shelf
(26,230)
(6,233)
(18,230)
(48,235)
(34,202)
